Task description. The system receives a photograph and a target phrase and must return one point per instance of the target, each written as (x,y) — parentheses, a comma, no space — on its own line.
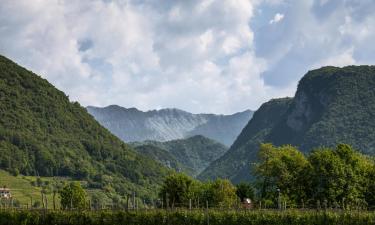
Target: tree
(177,190)
(219,193)
(73,196)
(244,190)
(370,190)
(282,169)
(340,175)
(56,188)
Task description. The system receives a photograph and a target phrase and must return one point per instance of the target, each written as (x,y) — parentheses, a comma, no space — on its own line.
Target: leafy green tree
(282,168)
(370,190)
(98,200)
(73,196)
(340,175)
(178,189)
(244,190)
(219,193)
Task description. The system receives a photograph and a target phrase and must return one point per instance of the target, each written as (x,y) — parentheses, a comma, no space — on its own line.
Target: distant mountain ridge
(131,124)
(191,155)
(332,105)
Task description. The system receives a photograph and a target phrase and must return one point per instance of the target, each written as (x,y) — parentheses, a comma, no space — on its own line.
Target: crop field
(186,217)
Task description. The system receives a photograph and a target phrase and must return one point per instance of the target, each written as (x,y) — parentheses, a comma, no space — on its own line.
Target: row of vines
(162,217)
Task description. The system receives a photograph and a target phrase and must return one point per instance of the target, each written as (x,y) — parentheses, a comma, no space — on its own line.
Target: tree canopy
(73,196)
(339,177)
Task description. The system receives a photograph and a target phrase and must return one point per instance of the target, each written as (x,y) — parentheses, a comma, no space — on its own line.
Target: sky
(212,56)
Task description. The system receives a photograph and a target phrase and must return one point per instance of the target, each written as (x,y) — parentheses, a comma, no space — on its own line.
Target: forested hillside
(43,133)
(331,106)
(191,155)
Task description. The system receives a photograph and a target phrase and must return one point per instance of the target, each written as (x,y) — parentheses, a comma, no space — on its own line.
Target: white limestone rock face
(131,124)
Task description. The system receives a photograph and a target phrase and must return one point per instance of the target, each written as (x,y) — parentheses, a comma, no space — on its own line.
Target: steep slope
(192,155)
(161,155)
(235,163)
(43,133)
(169,124)
(332,105)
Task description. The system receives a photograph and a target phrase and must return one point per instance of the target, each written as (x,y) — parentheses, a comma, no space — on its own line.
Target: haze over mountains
(332,105)
(131,124)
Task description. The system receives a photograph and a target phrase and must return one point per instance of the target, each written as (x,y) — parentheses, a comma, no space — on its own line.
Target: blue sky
(197,55)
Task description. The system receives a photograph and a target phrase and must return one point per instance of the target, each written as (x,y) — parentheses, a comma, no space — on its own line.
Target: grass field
(22,189)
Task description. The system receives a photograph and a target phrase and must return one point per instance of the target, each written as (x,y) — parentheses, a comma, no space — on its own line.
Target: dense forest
(42,133)
(191,155)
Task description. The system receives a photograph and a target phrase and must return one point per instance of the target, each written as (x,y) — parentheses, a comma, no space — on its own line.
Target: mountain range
(43,133)
(332,105)
(131,124)
(191,155)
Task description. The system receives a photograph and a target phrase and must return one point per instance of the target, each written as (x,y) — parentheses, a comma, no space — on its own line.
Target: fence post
(207,214)
(134,200)
(190,204)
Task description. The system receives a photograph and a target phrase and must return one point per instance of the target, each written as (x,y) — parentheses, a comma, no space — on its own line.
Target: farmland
(186,217)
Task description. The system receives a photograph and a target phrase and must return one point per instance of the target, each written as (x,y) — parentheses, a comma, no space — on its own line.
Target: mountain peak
(332,105)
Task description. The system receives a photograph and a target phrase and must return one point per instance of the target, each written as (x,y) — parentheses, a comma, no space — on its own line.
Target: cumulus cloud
(199,55)
(277,18)
(315,33)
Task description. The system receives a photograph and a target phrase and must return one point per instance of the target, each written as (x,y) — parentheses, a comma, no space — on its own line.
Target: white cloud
(314,33)
(277,18)
(201,56)
(341,59)
(144,54)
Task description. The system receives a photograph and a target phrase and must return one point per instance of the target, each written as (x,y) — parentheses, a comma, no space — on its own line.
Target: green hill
(191,155)
(332,105)
(163,156)
(43,133)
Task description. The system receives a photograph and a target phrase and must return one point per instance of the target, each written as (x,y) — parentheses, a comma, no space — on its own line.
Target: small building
(5,193)
(247,203)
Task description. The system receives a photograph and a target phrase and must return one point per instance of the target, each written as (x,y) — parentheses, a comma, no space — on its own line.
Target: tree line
(338,177)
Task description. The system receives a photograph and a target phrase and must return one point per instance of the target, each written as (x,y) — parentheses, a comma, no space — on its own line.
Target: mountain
(332,105)
(132,125)
(43,133)
(191,155)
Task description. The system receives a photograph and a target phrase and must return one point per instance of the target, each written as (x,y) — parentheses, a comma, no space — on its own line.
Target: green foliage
(219,193)
(177,190)
(245,190)
(180,190)
(73,196)
(236,163)
(340,177)
(43,134)
(187,218)
(281,168)
(191,155)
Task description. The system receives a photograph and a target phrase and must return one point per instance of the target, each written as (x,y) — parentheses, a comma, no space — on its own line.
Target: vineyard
(186,217)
